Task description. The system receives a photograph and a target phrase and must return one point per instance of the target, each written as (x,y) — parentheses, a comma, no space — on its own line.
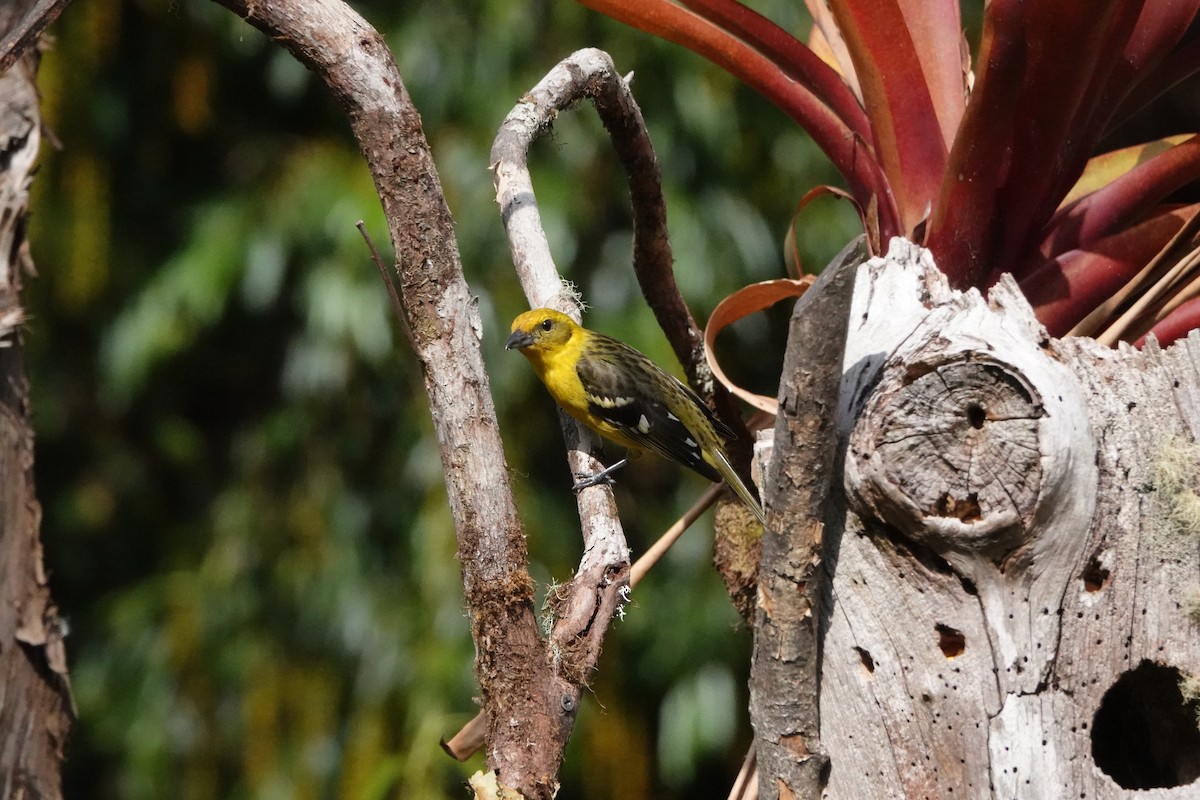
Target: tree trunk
(1013,577)
(34,697)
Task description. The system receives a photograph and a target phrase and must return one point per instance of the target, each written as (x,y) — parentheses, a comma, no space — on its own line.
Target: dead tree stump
(1014,579)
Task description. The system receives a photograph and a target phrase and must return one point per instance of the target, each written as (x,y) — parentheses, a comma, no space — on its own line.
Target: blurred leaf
(187,295)
(698,717)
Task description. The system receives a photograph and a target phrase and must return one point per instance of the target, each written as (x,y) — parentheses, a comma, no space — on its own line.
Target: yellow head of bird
(539,330)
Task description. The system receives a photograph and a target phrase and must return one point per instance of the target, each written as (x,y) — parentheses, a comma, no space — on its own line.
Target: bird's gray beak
(519,340)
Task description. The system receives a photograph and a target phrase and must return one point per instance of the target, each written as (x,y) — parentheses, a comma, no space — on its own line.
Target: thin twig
(583,609)
(1187,292)
(745,786)
(672,534)
(470,738)
(386,277)
(595,593)
(1141,309)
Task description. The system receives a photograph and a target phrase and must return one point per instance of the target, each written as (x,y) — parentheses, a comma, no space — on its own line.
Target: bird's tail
(723,466)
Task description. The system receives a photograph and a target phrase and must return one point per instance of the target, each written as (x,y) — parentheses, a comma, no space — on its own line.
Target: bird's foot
(603,476)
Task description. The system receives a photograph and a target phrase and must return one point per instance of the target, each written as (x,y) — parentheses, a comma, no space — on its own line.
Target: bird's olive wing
(648,406)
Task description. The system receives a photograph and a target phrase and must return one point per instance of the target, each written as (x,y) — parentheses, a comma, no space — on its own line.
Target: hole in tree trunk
(867,662)
(951,642)
(976,415)
(1095,575)
(967,509)
(1145,734)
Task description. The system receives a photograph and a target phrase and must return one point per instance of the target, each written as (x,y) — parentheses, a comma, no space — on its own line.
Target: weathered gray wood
(35,704)
(1014,536)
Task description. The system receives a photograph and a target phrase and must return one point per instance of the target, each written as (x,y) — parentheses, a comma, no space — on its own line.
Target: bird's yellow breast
(557,369)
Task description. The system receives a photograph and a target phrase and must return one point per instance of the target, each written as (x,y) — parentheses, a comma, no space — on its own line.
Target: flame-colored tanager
(625,397)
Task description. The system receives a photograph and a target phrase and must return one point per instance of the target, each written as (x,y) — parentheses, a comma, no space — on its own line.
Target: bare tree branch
(590,74)
(531,688)
(571,80)
(22,22)
(583,608)
(784,687)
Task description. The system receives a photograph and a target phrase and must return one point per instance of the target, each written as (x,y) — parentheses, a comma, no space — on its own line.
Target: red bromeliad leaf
(1153,60)
(1123,199)
(1188,292)
(826,41)
(848,152)
(965,224)
(1066,288)
(1065,86)
(1142,35)
(936,30)
(1022,143)
(797,60)
(1068,47)
(883,93)
(1175,325)
(1107,167)
(1181,64)
(904,119)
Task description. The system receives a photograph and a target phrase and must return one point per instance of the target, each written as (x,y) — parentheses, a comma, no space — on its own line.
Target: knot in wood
(949,453)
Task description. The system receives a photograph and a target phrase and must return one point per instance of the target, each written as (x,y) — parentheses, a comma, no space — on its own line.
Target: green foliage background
(245,520)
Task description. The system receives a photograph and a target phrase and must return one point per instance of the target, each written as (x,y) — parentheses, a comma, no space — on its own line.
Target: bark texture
(784,675)
(35,706)
(21,23)
(1016,570)
(530,687)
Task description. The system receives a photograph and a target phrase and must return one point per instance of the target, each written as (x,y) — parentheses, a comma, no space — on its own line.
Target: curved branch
(586,74)
(591,74)
(583,610)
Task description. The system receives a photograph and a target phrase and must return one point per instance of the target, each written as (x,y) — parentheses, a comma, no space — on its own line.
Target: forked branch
(536,683)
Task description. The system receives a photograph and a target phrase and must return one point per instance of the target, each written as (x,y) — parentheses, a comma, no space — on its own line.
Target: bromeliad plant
(993,167)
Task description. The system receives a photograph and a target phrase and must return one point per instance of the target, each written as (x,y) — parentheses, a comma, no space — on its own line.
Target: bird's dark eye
(547,324)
